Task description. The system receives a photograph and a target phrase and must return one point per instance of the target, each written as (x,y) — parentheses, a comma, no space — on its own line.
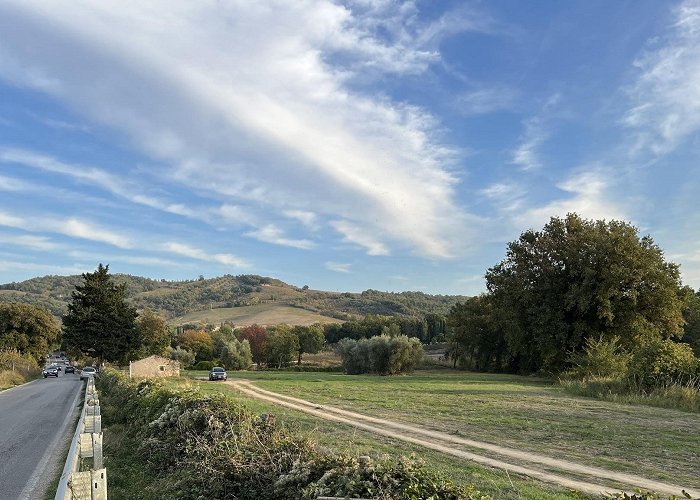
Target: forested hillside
(177,298)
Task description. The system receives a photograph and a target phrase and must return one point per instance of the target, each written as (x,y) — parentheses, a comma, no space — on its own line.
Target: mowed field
(521,413)
(261,314)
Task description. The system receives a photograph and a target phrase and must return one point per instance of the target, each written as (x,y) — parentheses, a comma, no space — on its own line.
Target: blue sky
(343,145)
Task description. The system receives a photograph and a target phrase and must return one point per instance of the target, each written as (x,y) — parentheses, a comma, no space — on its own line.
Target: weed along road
(35,427)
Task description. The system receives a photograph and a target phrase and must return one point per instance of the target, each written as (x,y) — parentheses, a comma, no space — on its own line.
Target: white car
(87,372)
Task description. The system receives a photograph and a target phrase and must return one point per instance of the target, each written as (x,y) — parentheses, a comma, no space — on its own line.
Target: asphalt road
(35,426)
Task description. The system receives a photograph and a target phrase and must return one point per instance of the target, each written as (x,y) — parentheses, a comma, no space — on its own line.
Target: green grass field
(519,412)
(261,314)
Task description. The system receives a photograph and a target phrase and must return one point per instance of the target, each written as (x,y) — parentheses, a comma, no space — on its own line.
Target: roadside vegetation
(183,444)
(26,333)
(16,369)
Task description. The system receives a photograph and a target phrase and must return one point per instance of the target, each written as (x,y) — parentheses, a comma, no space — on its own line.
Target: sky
(343,145)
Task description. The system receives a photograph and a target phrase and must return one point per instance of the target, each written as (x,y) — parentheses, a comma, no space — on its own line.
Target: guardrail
(85,479)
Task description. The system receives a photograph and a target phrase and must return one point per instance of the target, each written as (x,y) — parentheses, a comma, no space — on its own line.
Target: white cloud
(83,229)
(665,99)
(95,176)
(199,254)
(589,198)
(308,219)
(251,103)
(526,155)
(506,196)
(72,226)
(10,220)
(272,234)
(237,215)
(358,236)
(486,100)
(337,267)
(29,241)
(11,184)
(13,266)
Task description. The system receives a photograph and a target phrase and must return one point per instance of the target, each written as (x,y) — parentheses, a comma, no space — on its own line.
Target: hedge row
(211,446)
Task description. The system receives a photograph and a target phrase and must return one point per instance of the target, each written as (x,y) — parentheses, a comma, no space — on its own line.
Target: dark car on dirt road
(50,371)
(69,369)
(217,373)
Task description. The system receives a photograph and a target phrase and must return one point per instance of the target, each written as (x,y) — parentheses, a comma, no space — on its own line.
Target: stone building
(154,366)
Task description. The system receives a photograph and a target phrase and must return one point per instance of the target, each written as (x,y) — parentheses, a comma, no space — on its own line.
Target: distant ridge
(179,298)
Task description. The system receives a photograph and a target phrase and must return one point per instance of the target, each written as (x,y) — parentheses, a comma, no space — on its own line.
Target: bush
(382,354)
(661,363)
(196,446)
(236,355)
(185,357)
(601,358)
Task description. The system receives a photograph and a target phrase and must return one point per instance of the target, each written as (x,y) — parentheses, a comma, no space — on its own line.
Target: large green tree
(27,329)
(282,345)
(99,322)
(579,278)
(311,339)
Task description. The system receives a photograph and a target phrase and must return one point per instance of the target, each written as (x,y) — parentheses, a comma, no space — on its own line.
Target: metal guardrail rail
(89,484)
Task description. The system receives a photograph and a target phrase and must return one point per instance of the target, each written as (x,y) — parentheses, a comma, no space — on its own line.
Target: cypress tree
(99,322)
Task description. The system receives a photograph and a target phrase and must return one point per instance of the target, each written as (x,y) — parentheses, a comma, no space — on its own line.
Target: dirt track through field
(417,435)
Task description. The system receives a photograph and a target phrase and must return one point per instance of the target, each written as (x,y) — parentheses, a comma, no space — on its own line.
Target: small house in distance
(154,366)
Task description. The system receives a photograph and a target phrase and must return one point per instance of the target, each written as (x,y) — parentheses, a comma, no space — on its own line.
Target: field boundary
(409,433)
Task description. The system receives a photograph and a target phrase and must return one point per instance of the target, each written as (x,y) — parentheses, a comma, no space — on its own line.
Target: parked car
(87,372)
(217,373)
(69,369)
(50,371)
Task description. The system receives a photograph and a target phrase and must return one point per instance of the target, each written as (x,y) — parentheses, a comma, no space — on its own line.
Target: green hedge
(211,446)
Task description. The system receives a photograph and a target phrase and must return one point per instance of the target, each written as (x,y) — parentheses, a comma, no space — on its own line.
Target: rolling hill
(238,299)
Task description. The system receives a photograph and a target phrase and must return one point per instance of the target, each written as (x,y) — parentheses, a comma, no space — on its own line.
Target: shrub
(236,355)
(660,363)
(382,354)
(601,358)
(185,357)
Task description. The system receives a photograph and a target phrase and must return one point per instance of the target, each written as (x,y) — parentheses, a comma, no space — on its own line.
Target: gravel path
(521,461)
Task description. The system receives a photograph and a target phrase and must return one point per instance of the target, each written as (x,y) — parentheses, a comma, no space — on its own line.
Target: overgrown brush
(210,446)
(16,369)
(659,373)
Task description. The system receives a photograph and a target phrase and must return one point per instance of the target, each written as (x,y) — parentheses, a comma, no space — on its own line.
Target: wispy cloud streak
(666,96)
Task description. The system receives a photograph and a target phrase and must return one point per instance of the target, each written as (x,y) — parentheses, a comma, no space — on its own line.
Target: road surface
(35,426)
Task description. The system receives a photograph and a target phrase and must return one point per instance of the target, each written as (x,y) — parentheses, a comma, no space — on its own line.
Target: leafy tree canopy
(282,346)
(311,339)
(155,333)
(577,279)
(99,322)
(27,329)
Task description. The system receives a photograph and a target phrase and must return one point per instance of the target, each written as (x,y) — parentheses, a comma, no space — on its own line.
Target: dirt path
(441,442)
